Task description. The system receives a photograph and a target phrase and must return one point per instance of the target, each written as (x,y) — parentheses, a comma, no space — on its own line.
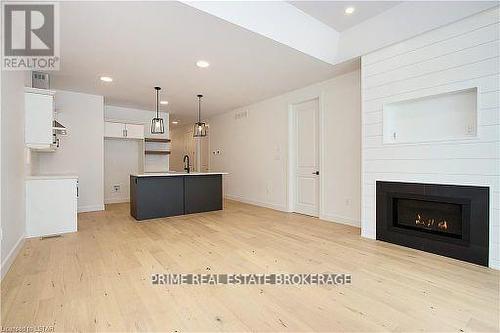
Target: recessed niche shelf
(447,116)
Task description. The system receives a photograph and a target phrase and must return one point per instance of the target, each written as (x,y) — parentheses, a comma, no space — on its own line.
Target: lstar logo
(30,36)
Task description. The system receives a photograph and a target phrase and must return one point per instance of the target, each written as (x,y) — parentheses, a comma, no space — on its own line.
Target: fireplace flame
(443,225)
(431,223)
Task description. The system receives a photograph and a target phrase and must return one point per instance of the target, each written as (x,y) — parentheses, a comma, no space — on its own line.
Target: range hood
(59,128)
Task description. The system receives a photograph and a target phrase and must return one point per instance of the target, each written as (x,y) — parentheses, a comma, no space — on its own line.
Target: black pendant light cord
(199,108)
(157,101)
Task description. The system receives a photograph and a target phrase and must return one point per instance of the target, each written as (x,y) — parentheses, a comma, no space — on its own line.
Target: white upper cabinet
(39,117)
(114,130)
(134,131)
(123,130)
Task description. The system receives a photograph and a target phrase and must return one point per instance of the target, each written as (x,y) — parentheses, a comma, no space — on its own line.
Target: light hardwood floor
(99,279)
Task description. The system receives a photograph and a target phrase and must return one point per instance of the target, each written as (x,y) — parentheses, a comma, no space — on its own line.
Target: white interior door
(306,194)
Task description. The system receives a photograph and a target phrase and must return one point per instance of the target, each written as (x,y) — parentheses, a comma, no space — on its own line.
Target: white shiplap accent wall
(459,56)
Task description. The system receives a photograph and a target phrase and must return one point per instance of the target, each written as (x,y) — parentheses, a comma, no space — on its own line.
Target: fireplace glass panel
(429,216)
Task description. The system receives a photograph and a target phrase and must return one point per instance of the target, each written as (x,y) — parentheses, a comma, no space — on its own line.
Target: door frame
(292,148)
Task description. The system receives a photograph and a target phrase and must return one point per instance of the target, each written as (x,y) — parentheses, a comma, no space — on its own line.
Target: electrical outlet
(116,188)
(347,202)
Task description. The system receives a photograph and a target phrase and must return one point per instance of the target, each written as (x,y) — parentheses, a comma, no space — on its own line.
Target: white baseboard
(92,208)
(257,203)
(341,220)
(326,217)
(9,259)
(368,234)
(116,200)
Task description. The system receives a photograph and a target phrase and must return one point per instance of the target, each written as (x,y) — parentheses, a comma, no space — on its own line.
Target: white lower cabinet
(51,205)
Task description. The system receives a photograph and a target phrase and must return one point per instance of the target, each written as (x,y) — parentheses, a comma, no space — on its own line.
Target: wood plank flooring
(99,279)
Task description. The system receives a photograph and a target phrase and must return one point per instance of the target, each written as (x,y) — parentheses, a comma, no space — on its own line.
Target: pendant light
(200,129)
(157,126)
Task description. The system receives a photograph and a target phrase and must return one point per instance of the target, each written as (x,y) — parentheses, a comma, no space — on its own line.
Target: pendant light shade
(200,128)
(157,126)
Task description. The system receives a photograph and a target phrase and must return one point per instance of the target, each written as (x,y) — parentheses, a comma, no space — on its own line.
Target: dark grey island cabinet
(170,194)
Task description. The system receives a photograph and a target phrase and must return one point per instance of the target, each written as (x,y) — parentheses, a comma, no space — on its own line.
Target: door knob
(316,173)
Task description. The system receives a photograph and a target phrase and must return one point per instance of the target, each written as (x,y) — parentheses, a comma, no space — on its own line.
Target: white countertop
(41,177)
(175,173)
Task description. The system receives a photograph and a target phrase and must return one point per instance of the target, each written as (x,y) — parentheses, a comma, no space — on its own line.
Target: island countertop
(175,173)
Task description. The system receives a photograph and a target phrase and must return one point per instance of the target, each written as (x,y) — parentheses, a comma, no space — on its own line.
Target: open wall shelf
(157,140)
(157,152)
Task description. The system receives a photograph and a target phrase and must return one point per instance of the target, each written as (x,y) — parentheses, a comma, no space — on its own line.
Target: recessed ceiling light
(349,10)
(175,122)
(106,78)
(163,102)
(202,63)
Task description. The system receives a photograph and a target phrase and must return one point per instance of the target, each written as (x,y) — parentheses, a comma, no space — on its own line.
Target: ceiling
(332,12)
(144,44)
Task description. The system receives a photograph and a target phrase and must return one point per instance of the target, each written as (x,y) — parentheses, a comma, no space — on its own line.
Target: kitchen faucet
(186,167)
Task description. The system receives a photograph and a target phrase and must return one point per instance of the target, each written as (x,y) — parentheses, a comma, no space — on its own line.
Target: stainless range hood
(59,128)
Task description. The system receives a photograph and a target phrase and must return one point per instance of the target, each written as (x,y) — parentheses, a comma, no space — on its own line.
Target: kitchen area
(82,154)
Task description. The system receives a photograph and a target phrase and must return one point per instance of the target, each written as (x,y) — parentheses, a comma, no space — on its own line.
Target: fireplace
(441,218)
(448,220)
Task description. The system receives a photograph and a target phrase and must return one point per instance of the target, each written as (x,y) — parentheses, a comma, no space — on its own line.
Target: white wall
(82,150)
(123,157)
(459,56)
(12,167)
(254,150)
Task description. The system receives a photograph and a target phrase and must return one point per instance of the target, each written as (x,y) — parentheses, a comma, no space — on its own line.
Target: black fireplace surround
(449,220)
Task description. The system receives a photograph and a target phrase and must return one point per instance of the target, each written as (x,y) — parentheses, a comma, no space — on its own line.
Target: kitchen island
(158,195)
